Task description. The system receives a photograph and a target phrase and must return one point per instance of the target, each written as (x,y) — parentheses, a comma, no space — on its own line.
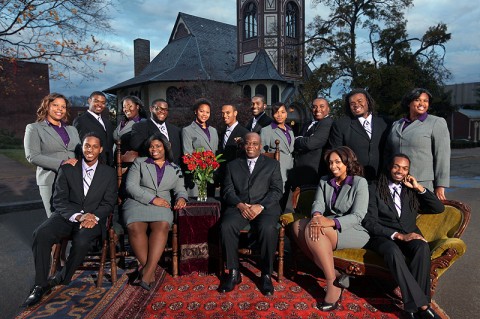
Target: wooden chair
(123,162)
(248,251)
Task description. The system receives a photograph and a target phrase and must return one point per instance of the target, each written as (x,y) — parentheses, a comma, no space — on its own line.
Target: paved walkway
(18,187)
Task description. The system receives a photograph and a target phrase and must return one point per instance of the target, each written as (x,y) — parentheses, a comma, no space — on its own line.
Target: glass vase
(202,191)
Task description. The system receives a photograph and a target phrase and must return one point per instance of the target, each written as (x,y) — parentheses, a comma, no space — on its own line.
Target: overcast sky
(154,19)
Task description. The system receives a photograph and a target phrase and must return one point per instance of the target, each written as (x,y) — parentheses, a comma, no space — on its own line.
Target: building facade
(263,54)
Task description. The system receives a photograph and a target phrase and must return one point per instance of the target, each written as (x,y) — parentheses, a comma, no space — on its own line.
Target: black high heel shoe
(136,276)
(330,306)
(343,281)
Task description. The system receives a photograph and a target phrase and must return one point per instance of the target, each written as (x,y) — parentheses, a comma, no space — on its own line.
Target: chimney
(141,55)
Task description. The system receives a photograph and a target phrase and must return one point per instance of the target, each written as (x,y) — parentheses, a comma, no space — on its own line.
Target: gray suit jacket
(269,135)
(45,149)
(193,138)
(427,144)
(350,209)
(142,188)
(119,132)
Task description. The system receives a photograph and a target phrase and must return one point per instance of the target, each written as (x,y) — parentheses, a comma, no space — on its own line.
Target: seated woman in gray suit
(341,203)
(149,183)
(50,143)
(425,139)
(199,135)
(278,130)
(133,112)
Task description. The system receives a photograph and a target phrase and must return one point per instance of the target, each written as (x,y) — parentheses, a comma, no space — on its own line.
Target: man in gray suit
(252,190)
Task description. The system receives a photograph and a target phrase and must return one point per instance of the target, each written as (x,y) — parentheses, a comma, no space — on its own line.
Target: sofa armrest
(438,247)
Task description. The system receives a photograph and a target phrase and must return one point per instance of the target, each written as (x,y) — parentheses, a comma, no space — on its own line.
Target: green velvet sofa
(443,232)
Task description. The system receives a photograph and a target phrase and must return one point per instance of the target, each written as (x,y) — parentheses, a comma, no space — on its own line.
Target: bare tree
(63,33)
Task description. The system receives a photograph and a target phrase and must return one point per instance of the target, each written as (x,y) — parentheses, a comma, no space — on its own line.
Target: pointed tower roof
(261,68)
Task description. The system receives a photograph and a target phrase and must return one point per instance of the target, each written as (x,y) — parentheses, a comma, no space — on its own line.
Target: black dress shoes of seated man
(230,280)
(266,285)
(38,291)
(35,296)
(233,278)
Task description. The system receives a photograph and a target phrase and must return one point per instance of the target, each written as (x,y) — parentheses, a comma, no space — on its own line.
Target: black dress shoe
(267,286)
(330,306)
(428,313)
(55,280)
(35,296)
(230,281)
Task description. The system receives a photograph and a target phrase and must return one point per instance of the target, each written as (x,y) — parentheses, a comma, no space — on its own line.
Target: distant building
(464,123)
(23,86)
(263,54)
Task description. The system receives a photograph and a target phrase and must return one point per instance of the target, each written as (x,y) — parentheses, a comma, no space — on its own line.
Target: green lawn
(17,155)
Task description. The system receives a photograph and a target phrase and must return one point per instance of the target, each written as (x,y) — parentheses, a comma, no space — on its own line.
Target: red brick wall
(22,87)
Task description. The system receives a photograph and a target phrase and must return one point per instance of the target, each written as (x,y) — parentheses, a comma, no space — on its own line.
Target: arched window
(261,89)
(172,94)
(275,94)
(292,18)
(250,20)
(247,91)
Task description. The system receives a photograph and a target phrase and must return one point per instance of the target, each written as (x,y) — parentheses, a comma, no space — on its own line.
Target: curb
(19,206)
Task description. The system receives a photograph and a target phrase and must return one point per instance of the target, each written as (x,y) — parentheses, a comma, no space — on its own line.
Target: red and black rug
(196,296)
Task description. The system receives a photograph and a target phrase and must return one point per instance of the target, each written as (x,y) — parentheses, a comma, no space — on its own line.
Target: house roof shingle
(207,52)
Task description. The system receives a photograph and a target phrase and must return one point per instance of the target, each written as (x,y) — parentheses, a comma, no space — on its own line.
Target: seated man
(252,190)
(85,195)
(392,211)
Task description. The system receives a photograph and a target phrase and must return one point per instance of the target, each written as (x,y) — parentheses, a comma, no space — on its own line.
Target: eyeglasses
(161,109)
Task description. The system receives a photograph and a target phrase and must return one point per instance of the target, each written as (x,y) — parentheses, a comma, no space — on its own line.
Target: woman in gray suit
(149,183)
(133,112)
(341,203)
(50,143)
(278,130)
(425,139)
(199,135)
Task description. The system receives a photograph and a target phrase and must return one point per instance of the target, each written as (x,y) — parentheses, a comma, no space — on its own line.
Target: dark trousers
(51,232)
(409,263)
(264,226)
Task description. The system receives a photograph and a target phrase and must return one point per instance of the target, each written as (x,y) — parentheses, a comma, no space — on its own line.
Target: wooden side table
(198,236)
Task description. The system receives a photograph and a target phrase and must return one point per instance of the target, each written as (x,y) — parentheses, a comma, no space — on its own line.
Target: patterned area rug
(77,300)
(195,296)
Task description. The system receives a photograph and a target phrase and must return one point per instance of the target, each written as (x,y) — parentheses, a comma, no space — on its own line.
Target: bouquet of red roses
(202,164)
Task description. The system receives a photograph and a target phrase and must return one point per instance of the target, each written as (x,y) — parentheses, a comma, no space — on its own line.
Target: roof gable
(261,68)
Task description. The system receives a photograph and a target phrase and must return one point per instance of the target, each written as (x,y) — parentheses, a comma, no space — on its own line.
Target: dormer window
(250,21)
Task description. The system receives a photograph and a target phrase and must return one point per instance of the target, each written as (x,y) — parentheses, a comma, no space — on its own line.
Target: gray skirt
(355,237)
(134,211)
